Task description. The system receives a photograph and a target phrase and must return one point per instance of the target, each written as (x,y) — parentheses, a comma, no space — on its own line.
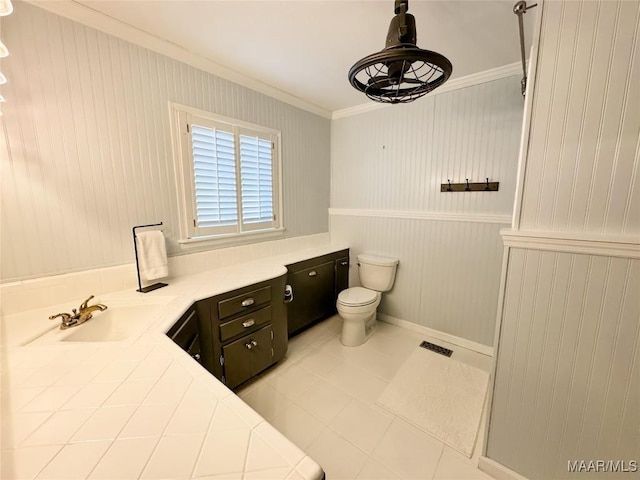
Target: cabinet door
(313,296)
(342,275)
(247,356)
(186,334)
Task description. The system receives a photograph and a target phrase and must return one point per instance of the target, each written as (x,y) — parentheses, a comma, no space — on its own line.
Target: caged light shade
(401,72)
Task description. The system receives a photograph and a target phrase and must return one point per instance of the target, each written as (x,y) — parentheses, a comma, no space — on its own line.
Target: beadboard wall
(386,169)
(86,145)
(448,277)
(566,381)
(567,385)
(585,126)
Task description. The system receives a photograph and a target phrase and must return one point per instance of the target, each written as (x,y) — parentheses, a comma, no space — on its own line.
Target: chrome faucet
(79,316)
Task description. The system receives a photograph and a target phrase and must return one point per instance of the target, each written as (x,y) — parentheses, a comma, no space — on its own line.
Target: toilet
(357,305)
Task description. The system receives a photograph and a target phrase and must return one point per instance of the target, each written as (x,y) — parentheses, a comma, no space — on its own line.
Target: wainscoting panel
(449,273)
(86,145)
(583,165)
(567,383)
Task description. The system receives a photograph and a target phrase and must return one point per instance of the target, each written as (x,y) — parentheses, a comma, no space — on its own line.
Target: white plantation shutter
(256,178)
(214,174)
(229,176)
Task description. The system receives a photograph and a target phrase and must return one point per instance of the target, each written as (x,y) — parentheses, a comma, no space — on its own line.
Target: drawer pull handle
(313,273)
(344,264)
(251,344)
(248,302)
(249,323)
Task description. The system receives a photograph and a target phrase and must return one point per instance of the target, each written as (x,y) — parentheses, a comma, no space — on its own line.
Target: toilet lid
(357,296)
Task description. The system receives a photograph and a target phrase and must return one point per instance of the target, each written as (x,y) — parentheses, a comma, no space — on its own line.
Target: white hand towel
(152,255)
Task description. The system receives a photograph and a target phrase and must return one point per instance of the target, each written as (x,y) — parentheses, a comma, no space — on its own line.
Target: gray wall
(86,147)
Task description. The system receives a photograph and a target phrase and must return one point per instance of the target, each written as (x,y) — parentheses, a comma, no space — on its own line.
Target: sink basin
(121,321)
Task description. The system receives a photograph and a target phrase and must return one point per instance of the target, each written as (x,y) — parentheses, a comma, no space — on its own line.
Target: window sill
(233,239)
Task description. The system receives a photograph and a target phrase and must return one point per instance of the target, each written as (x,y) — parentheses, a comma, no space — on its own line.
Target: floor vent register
(436,348)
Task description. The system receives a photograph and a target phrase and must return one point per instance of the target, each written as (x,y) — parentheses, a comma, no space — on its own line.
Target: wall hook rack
(467,186)
(148,288)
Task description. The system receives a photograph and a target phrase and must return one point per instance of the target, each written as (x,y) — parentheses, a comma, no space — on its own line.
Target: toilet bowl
(357,305)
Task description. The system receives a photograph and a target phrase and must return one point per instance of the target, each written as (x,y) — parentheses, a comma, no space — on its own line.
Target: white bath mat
(439,395)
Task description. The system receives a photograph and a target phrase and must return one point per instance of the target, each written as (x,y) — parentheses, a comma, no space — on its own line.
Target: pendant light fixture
(401,72)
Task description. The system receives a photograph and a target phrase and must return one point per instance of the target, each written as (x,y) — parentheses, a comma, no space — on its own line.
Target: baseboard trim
(497,470)
(445,337)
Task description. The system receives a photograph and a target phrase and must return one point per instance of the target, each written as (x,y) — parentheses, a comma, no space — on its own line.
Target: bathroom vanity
(315,284)
(231,320)
(244,331)
(238,334)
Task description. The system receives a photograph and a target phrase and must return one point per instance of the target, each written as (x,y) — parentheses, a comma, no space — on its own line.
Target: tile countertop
(139,407)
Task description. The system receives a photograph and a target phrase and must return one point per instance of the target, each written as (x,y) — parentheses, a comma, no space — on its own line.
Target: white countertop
(139,407)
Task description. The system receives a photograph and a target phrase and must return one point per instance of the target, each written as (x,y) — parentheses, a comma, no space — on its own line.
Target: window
(229,175)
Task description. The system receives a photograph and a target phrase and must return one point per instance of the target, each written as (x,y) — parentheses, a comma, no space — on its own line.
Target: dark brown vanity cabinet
(243,331)
(315,284)
(186,333)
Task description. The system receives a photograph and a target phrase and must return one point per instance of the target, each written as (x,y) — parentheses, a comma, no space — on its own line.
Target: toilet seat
(357,297)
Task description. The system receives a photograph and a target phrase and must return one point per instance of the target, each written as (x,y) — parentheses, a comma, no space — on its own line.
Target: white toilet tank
(377,273)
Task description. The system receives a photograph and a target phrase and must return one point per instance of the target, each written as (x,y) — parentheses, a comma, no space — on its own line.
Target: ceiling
(305,48)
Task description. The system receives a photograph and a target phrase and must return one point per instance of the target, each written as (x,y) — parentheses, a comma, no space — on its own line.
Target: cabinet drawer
(247,356)
(246,302)
(245,323)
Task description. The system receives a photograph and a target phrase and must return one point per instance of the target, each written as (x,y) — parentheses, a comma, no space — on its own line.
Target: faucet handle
(84,304)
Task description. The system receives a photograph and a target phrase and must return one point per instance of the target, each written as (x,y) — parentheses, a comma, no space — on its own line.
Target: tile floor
(322,397)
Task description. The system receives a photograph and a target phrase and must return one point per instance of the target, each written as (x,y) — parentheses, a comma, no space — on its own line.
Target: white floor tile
(298,425)
(356,382)
(338,458)
(452,467)
(318,362)
(323,400)
(361,424)
(374,470)
(293,381)
(267,401)
(407,451)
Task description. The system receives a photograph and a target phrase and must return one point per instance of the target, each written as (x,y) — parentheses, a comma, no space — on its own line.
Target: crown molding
(571,242)
(107,24)
(455,84)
